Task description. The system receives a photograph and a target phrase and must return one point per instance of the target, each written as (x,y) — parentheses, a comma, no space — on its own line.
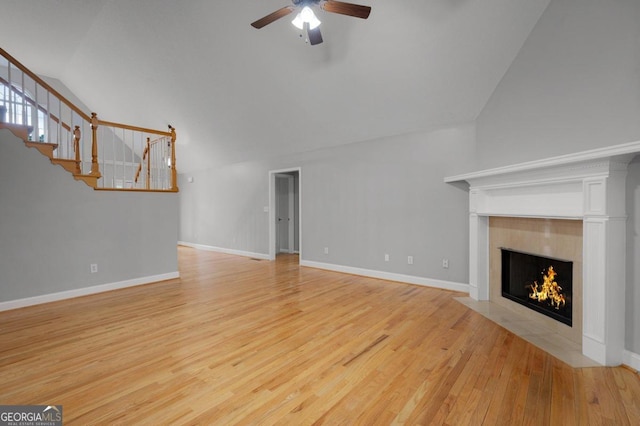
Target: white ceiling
(236,93)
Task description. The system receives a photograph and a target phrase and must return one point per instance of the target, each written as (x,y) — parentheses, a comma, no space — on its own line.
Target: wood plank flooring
(241,341)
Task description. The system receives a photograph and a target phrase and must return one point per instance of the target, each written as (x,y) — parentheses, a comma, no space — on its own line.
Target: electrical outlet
(326,250)
(410,260)
(386,257)
(94,268)
(445,263)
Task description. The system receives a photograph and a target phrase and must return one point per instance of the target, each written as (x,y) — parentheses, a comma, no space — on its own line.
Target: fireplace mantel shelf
(617,153)
(588,186)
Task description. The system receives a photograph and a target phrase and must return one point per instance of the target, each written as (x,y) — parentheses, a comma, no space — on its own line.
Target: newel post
(76,148)
(147,151)
(174,173)
(95,168)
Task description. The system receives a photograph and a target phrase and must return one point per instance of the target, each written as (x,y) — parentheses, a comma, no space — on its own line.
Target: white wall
(574,86)
(53,227)
(361,200)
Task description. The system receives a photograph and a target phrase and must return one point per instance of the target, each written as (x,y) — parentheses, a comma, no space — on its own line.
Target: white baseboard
(85,291)
(631,359)
(409,279)
(224,250)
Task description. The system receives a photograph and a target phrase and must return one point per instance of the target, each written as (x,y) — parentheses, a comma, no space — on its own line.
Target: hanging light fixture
(306,16)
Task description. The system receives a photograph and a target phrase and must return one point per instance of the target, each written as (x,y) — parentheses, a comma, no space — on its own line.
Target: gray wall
(53,227)
(574,86)
(361,200)
(633,257)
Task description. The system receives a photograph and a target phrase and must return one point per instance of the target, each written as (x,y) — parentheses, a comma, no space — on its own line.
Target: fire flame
(550,291)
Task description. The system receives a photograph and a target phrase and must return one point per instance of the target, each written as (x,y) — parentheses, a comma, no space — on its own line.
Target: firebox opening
(543,284)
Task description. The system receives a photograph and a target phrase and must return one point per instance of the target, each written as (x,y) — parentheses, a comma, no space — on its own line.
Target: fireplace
(540,283)
(588,186)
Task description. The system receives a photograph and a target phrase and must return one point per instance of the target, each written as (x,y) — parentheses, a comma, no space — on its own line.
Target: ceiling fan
(306,20)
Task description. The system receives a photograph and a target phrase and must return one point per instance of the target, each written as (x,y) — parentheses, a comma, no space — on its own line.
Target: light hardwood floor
(241,341)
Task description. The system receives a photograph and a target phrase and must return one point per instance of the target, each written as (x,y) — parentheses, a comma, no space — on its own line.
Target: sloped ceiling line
(235,93)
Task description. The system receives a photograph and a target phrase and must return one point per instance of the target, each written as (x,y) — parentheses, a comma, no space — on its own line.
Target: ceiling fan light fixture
(306,15)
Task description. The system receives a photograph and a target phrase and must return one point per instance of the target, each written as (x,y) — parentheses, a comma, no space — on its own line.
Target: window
(21,110)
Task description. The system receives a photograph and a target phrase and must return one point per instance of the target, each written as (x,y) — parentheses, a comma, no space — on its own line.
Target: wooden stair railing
(155,145)
(71,124)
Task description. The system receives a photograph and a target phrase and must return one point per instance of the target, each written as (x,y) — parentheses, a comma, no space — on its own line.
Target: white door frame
(290,213)
(272,210)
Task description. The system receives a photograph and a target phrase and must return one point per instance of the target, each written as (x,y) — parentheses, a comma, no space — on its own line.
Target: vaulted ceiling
(236,93)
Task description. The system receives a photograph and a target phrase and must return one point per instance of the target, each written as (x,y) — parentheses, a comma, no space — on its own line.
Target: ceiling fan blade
(349,9)
(315,37)
(280,13)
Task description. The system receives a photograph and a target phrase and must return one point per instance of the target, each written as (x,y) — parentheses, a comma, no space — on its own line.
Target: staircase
(104,155)
(47,149)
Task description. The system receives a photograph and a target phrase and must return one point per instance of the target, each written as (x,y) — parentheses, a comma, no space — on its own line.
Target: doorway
(284,212)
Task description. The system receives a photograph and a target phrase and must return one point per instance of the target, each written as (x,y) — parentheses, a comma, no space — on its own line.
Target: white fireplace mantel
(589,186)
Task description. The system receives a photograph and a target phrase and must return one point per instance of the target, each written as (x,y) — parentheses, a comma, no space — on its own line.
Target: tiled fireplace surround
(586,188)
